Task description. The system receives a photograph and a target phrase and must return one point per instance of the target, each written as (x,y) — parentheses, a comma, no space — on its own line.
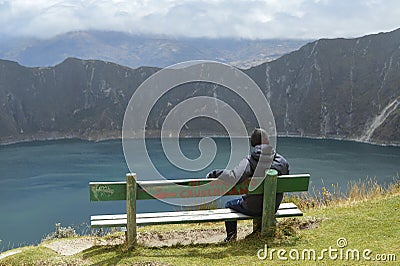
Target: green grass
(366,223)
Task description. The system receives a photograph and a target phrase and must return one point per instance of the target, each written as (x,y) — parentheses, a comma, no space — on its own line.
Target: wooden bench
(131,191)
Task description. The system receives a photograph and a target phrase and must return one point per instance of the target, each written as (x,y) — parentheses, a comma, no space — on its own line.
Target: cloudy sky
(309,19)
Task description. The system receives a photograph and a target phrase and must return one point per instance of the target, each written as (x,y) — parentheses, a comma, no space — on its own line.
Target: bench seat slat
(288,213)
(119,220)
(287,205)
(181,213)
(161,214)
(193,218)
(108,223)
(189,217)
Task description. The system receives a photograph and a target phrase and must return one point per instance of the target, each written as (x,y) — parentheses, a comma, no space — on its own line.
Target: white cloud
(217,18)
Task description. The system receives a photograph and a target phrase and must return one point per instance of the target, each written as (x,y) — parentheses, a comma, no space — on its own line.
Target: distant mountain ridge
(135,50)
(336,88)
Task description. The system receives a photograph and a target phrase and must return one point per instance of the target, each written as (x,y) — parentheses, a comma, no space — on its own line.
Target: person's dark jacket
(261,156)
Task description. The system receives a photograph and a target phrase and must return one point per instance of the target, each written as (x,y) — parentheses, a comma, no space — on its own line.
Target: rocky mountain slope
(76,98)
(342,88)
(338,88)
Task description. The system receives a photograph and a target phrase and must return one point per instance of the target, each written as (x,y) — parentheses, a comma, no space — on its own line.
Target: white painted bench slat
(286,209)
(181,213)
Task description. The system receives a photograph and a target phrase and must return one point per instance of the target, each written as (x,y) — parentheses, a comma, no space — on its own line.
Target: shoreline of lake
(113,136)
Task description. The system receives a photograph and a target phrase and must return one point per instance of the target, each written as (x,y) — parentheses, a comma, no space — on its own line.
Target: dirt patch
(68,247)
(9,253)
(187,237)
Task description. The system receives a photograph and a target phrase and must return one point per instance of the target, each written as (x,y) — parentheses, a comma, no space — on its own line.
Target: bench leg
(268,215)
(131,188)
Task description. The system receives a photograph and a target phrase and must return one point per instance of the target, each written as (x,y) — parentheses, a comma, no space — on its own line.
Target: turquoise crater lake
(42,183)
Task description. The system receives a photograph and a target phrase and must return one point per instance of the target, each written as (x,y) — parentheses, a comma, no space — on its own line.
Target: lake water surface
(42,183)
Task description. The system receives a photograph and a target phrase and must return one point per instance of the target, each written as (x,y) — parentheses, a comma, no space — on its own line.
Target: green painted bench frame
(131,191)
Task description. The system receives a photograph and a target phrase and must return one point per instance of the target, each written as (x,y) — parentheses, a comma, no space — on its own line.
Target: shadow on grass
(105,255)
(111,255)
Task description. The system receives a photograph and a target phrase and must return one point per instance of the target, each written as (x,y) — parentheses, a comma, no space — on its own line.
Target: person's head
(258,137)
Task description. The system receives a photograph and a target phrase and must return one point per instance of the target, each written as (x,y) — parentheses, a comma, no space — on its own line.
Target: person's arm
(214,173)
(240,173)
(280,164)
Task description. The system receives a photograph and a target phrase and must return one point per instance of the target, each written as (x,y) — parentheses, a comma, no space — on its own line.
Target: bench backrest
(106,191)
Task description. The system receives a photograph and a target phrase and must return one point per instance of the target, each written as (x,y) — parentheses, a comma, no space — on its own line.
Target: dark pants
(236,204)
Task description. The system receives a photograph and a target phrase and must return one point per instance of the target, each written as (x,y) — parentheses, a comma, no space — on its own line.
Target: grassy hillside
(361,229)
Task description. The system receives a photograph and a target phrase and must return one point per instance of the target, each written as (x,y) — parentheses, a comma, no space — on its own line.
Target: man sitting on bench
(261,158)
